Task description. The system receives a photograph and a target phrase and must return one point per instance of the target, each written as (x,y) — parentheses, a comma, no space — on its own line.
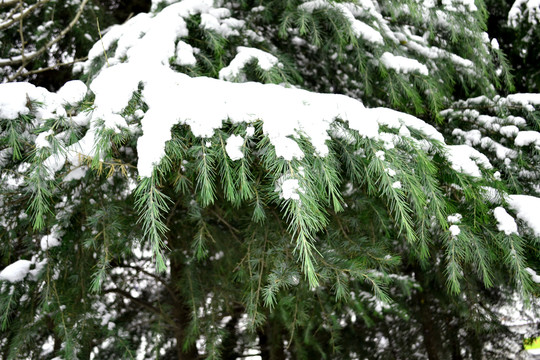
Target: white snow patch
(244,55)
(505,222)
(76,174)
(533,274)
(73,92)
(288,188)
(526,208)
(184,54)
(525,138)
(466,159)
(403,65)
(454,230)
(51,240)
(454,218)
(234,147)
(13,99)
(41,141)
(16,272)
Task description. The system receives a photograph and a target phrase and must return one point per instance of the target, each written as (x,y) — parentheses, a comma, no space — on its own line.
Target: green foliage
(320,256)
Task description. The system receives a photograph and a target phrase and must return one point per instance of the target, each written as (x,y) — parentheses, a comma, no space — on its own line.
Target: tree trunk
(271,341)
(181,313)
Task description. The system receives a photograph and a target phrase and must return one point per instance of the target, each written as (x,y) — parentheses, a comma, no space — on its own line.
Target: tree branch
(24,59)
(32,72)
(156,277)
(6,3)
(142,303)
(22,15)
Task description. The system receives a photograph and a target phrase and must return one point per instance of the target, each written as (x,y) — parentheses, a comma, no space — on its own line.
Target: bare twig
(102,45)
(21,34)
(32,72)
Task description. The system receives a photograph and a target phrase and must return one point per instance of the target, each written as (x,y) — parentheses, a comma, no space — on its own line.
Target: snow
(234,147)
(184,54)
(244,55)
(524,98)
(505,222)
(454,218)
(76,174)
(454,230)
(360,29)
(53,164)
(203,104)
(73,92)
(397,120)
(41,141)
(288,188)
(403,65)
(509,130)
(13,99)
(526,208)
(16,272)
(50,240)
(142,59)
(532,8)
(396,185)
(525,138)
(534,277)
(466,159)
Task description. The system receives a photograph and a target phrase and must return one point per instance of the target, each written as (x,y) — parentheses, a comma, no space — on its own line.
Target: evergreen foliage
(194,195)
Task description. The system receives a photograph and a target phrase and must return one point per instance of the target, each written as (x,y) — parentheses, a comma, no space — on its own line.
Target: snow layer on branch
(15,99)
(288,188)
(403,65)
(184,54)
(151,38)
(466,159)
(524,98)
(360,28)
(532,11)
(145,44)
(505,222)
(50,240)
(526,208)
(533,274)
(525,138)
(454,230)
(204,103)
(234,147)
(72,92)
(16,272)
(244,55)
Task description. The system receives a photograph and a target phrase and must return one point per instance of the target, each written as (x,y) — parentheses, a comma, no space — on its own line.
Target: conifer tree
(286,179)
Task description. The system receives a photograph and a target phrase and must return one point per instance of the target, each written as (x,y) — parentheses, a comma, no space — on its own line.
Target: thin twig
(32,72)
(21,34)
(102,45)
